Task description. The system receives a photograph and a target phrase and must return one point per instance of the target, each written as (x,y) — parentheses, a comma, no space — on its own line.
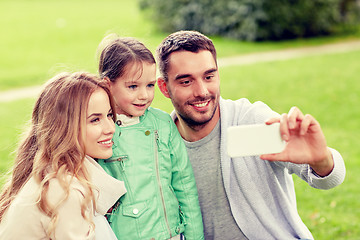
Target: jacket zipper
(122,164)
(182,217)
(121,160)
(157,146)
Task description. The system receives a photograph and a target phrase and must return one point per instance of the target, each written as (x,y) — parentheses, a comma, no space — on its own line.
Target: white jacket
(261,193)
(24,220)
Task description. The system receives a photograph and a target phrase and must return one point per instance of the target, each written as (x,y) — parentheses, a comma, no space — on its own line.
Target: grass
(44,37)
(325,86)
(14,117)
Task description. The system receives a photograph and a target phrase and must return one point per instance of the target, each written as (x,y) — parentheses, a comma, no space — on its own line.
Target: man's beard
(197,125)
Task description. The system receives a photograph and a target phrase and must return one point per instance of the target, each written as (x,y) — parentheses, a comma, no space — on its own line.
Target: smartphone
(256,139)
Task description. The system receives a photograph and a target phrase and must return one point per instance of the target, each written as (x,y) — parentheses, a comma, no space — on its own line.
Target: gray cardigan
(261,193)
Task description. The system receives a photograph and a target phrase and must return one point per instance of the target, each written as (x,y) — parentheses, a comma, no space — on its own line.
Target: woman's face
(100,126)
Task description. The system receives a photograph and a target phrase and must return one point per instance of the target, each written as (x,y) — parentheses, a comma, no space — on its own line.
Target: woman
(56,187)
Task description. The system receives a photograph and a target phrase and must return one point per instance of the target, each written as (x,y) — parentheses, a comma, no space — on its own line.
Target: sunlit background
(43,37)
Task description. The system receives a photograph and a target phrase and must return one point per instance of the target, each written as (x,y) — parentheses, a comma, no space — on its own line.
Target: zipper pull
(122,161)
(157,140)
(122,164)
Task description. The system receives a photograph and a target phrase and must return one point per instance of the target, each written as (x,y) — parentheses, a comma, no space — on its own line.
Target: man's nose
(200,89)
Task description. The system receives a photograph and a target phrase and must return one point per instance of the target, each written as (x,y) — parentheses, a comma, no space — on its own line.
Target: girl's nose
(143,94)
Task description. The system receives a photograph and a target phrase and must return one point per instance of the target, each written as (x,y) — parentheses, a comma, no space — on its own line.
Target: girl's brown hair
(115,53)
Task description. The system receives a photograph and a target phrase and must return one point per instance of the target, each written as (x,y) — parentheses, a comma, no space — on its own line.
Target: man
(246,197)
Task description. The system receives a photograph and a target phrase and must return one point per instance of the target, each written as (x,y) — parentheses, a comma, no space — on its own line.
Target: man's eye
(209,77)
(185,82)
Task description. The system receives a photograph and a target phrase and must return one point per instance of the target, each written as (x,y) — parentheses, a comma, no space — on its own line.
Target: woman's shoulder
(58,189)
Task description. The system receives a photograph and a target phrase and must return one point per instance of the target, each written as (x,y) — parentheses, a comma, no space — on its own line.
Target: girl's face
(100,126)
(134,91)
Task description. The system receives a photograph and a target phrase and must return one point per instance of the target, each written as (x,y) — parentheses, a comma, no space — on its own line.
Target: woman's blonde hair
(53,147)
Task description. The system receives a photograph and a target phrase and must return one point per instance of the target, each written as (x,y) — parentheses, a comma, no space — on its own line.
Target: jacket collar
(107,189)
(123,121)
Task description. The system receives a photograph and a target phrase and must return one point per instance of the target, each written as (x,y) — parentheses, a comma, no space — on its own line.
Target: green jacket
(161,200)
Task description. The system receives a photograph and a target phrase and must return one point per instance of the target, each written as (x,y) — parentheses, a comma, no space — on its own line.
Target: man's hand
(306,142)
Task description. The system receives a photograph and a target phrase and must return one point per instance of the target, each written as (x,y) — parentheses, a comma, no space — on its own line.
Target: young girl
(149,154)
(56,186)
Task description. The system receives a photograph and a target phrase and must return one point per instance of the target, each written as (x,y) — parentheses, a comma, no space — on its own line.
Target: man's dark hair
(192,41)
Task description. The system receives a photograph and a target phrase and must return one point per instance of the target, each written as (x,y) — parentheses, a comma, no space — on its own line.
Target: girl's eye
(151,85)
(110,115)
(133,86)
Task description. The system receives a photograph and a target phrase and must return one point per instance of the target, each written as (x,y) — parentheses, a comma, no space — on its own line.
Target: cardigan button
(147,133)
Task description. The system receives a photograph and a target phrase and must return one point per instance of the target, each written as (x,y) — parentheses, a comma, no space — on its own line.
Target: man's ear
(163,87)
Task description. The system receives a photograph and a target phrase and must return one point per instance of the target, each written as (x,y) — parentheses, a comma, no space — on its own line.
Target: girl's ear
(163,88)
(107,82)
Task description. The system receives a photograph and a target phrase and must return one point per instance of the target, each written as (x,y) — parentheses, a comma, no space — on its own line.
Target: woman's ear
(163,87)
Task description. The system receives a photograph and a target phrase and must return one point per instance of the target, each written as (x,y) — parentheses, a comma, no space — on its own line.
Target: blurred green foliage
(254,20)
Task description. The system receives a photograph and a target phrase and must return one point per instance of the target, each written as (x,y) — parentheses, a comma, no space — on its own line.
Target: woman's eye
(110,115)
(95,120)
